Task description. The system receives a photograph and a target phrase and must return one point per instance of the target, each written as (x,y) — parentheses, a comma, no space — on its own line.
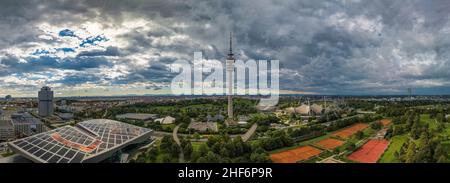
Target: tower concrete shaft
(230,88)
(230,80)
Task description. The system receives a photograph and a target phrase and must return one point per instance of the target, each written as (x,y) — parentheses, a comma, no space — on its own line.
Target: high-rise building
(410,93)
(45,97)
(230,80)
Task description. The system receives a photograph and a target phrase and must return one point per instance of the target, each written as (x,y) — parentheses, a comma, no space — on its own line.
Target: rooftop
(24,118)
(89,141)
(203,126)
(5,123)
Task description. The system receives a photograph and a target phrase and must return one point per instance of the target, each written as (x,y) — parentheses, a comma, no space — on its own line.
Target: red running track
(369,152)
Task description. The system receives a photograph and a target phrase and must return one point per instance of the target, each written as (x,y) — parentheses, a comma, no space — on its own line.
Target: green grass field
(425,119)
(394,146)
(196,145)
(447,129)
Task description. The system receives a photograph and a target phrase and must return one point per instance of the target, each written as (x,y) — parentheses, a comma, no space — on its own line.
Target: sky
(113,47)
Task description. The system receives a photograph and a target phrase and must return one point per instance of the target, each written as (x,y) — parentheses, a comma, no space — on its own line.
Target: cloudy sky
(112,47)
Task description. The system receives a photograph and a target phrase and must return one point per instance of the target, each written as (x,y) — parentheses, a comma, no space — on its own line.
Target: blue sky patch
(93,40)
(67,33)
(66,50)
(41,52)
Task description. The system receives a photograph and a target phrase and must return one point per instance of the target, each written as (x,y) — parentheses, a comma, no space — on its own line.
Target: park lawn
(395,145)
(447,129)
(6,154)
(425,119)
(168,127)
(446,145)
(163,108)
(196,145)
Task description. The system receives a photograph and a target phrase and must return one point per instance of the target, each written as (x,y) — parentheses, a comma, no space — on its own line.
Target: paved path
(177,140)
(329,122)
(246,136)
(249,132)
(104,114)
(174,134)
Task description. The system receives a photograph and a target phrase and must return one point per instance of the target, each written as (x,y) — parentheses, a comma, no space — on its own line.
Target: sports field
(347,132)
(329,143)
(369,152)
(295,155)
(385,122)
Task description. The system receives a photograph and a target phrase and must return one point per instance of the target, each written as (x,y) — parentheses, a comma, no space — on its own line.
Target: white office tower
(45,97)
(230,80)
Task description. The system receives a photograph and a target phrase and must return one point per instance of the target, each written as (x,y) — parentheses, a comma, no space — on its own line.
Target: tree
(350,146)
(410,153)
(203,149)
(187,150)
(152,154)
(166,144)
(440,118)
(442,159)
(174,150)
(415,130)
(259,158)
(376,125)
(212,140)
(165,158)
(359,135)
(202,160)
(439,151)
(212,157)
(184,119)
(196,136)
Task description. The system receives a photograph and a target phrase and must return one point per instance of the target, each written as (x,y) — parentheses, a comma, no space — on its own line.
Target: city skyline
(112,48)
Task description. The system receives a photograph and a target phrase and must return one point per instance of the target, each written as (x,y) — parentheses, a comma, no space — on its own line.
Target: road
(177,140)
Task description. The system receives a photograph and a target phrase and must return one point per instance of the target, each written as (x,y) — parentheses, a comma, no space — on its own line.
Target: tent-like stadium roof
(303,109)
(86,142)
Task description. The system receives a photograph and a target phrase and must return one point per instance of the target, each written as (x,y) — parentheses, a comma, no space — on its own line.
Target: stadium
(87,142)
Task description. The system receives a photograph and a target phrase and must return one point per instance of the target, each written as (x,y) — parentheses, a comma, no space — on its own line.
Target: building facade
(26,125)
(45,105)
(6,130)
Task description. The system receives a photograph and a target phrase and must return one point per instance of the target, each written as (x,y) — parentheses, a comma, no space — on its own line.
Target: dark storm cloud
(158,73)
(74,79)
(44,63)
(343,46)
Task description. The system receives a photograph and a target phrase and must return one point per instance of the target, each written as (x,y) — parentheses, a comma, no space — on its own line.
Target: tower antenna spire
(230,55)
